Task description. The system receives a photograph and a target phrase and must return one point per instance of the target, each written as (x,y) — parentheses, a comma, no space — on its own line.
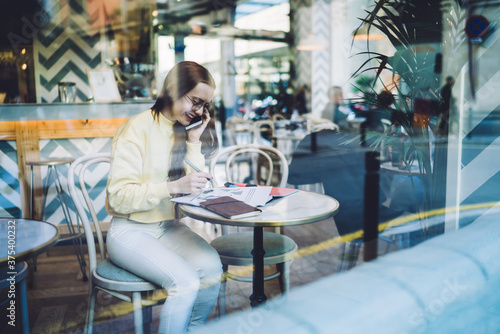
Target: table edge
(32,252)
(249,223)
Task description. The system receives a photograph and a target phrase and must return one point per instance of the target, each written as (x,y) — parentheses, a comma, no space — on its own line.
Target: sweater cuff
(194,147)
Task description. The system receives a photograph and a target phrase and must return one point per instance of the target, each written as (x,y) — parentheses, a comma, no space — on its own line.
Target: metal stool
(75,233)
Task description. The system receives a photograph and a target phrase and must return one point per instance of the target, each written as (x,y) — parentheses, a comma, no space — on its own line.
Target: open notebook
(275,191)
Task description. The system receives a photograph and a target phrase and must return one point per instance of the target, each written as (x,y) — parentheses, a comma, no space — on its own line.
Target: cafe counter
(52,130)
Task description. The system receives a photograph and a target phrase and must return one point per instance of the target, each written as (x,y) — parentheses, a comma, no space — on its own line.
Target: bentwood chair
(239,130)
(278,117)
(263,132)
(315,124)
(279,249)
(325,126)
(105,275)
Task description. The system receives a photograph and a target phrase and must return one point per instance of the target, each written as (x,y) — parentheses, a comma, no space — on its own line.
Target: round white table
(302,207)
(20,240)
(27,238)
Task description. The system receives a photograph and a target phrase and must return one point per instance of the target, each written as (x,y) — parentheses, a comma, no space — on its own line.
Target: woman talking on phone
(148,169)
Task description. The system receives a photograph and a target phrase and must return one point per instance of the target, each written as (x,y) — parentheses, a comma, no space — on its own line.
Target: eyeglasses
(197,105)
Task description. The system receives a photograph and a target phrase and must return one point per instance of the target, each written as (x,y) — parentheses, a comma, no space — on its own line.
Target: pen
(196,169)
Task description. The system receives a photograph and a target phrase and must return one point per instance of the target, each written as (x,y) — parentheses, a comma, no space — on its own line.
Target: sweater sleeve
(194,155)
(126,191)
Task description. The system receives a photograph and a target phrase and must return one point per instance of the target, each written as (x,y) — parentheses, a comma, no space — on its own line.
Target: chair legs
(349,256)
(75,234)
(355,247)
(221,301)
(140,314)
(90,311)
(136,301)
(284,277)
(342,259)
(350,253)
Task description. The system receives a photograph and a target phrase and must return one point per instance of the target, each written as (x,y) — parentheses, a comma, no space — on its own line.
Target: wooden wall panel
(27,143)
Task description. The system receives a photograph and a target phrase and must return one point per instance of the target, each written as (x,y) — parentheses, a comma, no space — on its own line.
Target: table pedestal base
(258,297)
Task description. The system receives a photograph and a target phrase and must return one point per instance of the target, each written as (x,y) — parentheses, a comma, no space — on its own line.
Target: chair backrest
(257,158)
(260,128)
(315,124)
(325,126)
(278,117)
(239,130)
(83,203)
(387,124)
(274,160)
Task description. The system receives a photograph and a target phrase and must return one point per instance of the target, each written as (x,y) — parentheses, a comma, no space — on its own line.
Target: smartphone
(194,122)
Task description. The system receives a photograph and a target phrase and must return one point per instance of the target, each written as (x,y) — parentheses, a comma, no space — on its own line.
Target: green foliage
(407,24)
(412,65)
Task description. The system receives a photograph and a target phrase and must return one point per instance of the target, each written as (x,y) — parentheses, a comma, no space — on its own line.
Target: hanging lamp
(311,43)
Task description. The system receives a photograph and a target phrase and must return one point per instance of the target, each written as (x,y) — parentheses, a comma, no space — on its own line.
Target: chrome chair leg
(284,277)
(342,259)
(221,301)
(90,311)
(136,301)
(353,252)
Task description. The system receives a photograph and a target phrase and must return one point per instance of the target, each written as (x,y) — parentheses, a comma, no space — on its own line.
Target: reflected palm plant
(413,27)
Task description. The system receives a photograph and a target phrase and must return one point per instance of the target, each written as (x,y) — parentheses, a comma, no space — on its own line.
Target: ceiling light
(365,33)
(311,43)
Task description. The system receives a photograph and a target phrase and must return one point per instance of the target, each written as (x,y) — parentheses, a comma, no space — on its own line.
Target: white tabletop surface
(28,237)
(302,207)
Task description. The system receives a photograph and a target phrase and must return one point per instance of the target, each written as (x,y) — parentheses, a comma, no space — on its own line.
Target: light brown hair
(180,80)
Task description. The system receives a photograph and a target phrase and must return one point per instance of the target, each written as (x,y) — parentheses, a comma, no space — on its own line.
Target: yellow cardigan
(140,154)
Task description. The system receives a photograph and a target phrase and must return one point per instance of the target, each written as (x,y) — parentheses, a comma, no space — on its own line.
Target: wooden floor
(58,299)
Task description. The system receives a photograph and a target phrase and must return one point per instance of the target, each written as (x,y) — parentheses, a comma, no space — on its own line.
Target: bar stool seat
(50,162)
(75,233)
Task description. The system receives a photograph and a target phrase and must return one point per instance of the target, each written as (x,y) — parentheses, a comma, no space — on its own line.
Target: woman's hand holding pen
(194,134)
(191,183)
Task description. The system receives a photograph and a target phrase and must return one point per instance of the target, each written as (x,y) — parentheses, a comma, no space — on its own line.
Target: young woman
(147,169)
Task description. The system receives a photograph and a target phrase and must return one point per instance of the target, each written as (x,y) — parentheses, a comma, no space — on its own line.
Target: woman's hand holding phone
(194,122)
(194,133)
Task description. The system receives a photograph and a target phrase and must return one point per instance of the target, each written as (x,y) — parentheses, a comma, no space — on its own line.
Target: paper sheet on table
(255,196)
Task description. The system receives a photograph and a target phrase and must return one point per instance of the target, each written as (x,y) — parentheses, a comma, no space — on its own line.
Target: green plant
(413,28)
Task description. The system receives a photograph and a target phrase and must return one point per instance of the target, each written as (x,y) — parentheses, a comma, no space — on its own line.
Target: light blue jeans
(169,254)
